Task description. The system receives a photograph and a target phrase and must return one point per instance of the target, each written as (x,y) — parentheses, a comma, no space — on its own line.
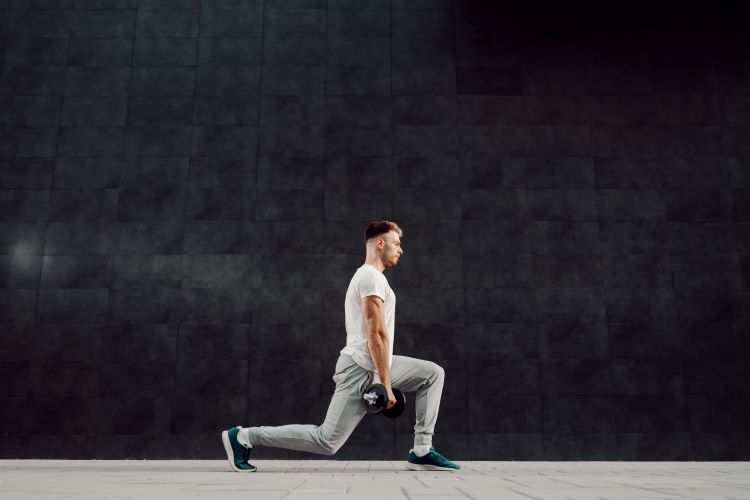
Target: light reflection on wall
(22,248)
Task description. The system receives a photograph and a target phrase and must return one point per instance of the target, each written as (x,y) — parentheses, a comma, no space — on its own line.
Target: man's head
(383,242)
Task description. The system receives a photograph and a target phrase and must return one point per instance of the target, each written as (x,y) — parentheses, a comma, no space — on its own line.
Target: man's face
(391,249)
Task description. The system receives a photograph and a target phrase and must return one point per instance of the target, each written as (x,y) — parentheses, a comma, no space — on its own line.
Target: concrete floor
(362,480)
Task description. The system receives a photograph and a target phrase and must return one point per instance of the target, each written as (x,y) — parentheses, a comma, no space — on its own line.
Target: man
(370,311)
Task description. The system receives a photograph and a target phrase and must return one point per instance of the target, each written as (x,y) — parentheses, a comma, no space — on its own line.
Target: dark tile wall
(185,184)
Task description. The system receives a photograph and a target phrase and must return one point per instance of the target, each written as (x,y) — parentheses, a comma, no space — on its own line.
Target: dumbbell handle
(370,398)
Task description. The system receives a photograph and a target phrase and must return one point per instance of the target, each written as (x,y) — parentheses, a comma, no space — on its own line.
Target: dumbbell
(375,399)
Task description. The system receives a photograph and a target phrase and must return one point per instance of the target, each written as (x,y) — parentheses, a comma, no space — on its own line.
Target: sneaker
(432,461)
(237,453)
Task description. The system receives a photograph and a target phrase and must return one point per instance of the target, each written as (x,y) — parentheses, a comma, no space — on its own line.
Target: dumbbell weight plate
(380,392)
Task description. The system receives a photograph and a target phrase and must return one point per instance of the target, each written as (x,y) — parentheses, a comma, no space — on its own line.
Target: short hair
(378,227)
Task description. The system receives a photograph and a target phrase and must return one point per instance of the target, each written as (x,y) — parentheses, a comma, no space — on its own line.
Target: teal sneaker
(432,461)
(237,453)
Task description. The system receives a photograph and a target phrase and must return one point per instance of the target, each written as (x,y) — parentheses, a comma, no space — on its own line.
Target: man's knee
(439,371)
(330,448)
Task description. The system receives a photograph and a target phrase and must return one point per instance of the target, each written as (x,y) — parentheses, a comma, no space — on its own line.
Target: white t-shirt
(367,280)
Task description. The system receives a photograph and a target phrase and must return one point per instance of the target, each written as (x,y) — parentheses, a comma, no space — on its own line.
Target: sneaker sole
(412,466)
(230,454)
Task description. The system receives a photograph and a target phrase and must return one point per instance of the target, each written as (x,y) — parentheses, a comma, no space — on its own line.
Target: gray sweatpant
(346,410)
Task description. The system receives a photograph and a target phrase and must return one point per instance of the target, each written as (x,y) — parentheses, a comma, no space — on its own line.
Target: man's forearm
(378,345)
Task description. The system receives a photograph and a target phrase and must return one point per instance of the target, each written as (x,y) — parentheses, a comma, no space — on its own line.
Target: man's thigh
(346,410)
(409,374)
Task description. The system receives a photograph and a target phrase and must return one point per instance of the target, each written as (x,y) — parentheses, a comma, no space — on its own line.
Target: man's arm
(377,336)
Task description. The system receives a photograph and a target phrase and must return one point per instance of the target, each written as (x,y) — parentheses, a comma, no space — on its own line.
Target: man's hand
(391,398)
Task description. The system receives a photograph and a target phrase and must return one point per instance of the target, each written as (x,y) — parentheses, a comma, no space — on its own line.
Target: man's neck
(376,264)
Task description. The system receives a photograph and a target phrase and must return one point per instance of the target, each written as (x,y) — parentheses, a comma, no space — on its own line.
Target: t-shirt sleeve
(370,284)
